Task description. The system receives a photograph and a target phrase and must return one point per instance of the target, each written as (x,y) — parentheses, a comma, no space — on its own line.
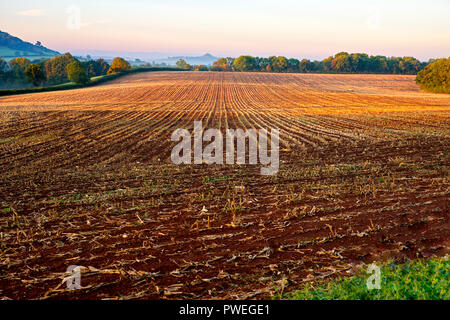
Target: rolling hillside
(11,47)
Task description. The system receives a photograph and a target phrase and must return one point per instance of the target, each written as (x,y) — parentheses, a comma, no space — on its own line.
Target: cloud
(32,13)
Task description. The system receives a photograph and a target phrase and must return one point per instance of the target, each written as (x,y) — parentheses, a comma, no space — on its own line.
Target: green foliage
(230,63)
(306,66)
(17,68)
(56,68)
(340,63)
(14,45)
(201,67)
(3,69)
(20,63)
(182,64)
(34,74)
(94,81)
(119,65)
(418,280)
(3,65)
(409,65)
(435,77)
(223,64)
(278,64)
(96,68)
(264,64)
(360,62)
(245,63)
(77,73)
(293,65)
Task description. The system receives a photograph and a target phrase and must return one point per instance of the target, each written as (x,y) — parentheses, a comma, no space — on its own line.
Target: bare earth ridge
(86,179)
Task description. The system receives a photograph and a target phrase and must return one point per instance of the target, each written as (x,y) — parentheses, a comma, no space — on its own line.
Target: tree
(96,68)
(325,64)
(182,64)
(3,70)
(435,76)
(282,64)
(306,66)
(230,62)
(410,65)
(17,68)
(293,65)
(119,65)
(77,73)
(278,64)
(341,62)
(34,74)
(201,67)
(3,65)
(56,68)
(378,64)
(264,65)
(359,62)
(101,67)
(245,63)
(318,66)
(221,65)
(21,63)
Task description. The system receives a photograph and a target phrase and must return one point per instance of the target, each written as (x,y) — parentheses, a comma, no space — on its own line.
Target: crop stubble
(86,180)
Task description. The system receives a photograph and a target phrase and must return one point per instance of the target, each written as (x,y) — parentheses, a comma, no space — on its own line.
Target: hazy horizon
(298,29)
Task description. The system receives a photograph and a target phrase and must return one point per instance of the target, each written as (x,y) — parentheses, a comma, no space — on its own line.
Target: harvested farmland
(86,179)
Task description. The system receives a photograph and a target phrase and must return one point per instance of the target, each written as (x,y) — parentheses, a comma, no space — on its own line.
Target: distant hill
(11,47)
(151,57)
(206,59)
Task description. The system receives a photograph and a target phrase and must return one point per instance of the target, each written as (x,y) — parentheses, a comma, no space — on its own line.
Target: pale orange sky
(313,29)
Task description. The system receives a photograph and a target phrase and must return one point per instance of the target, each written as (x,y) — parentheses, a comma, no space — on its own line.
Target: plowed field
(86,179)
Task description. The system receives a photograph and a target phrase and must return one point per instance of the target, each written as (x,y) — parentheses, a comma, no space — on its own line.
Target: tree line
(433,75)
(21,72)
(342,62)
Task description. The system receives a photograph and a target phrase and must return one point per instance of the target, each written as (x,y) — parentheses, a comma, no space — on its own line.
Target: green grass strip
(414,280)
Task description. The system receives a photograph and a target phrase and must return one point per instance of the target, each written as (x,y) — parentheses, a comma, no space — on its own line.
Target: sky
(293,28)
